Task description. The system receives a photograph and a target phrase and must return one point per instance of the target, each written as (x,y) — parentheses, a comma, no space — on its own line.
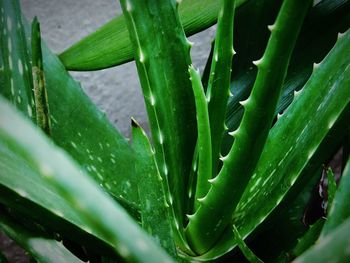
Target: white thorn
(201,200)
(258,62)
(190,216)
(230,93)
(244,102)
(223,158)
(234,133)
(271,27)
(340,35)
(316,65)
(297,93)
(279,115)
(212,180)
(233,52)
(190,43)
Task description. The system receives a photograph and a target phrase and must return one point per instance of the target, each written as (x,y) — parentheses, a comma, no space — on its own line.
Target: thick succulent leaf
(40,172)
(204,146)
(248,253)
(15,69)
(80,128)
(339,210)
(155,212)
(162,57)
(42,248)
(332,248)
(218,90)
(78,125)
(214,214)
(294,140)
(317,37)
(110,45)
(309,238)
(281,163)
(285,223)
(39,86)
(290,218)
(331,188)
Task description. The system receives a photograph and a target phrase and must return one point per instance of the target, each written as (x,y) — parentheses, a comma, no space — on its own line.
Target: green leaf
(309,239)
(334,247)
(80,128)
(42,173)
(339,210)
(204,146)
(110,45)
(218,90)
(317,37)
(214,214)
(162,57)
(284,157)
(15,69)
(155,211)
(42,248)
(39,85)
(289,220)
(331,188)
(78,125)
(281,163)
(248,253)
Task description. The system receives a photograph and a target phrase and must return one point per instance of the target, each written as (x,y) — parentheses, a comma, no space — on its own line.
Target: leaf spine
(213,180)
(190,43)
(258,62)
(190,217)
(244,102)
(223,158)
(201,200)
(271,27)
(340,35)
(234,133)
(316,66)
(297,93)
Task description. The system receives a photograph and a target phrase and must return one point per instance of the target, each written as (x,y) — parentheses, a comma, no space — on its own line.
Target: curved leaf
(39,171)
(110,45)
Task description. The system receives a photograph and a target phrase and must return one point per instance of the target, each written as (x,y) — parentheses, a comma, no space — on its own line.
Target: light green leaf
(42,248)
(40,172)
(156,216)
(110,45)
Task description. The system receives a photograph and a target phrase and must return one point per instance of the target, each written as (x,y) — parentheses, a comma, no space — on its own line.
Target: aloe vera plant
(234,154)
